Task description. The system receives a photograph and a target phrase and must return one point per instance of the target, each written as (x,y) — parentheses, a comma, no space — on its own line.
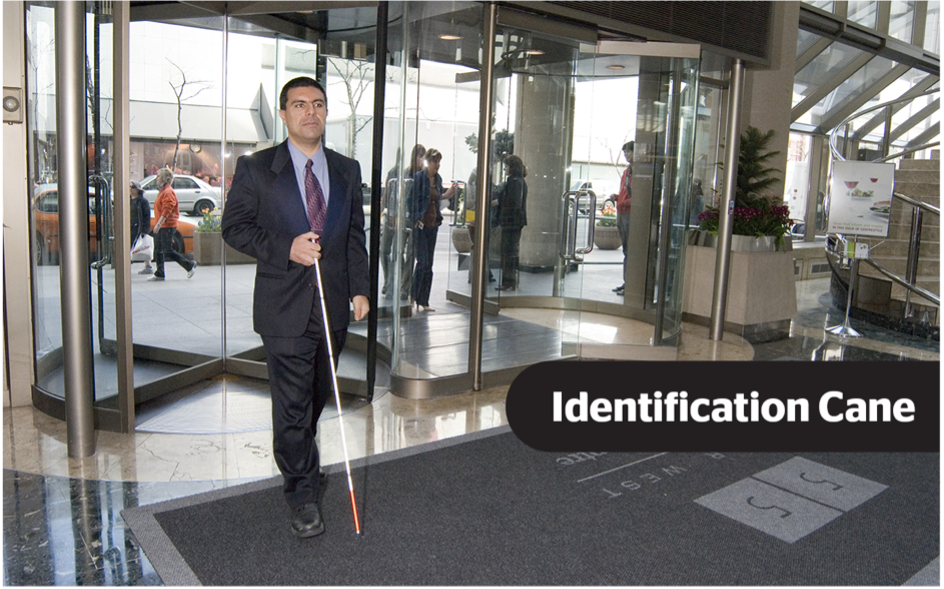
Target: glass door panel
(436,59)
(176,108)
(591,121)
(535,86)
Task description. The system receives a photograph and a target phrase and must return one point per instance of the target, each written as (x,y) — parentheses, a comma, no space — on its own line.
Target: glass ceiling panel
(932,31)
(851,88)
(864,12)
(894,90)
(805,40)
(827,5)
(901,26)
(822,69)
(920,127)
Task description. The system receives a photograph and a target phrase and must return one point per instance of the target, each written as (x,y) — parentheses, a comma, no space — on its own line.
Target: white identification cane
(337,396)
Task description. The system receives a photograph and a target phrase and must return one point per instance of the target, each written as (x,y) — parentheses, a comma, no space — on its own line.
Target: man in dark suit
(289,205)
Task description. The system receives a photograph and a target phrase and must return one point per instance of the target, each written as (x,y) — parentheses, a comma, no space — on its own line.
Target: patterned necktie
(314,200)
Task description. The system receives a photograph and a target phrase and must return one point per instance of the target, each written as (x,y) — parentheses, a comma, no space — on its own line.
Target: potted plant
(208,243)
(606,234)
(757,214)
(761,291)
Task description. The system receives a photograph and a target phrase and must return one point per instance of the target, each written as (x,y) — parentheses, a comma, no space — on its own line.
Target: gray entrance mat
(487,510)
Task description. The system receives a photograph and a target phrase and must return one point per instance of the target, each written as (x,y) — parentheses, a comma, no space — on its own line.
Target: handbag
(143,248)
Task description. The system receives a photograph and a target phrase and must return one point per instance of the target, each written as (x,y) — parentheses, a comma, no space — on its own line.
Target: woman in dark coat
(512,216)
(426,194)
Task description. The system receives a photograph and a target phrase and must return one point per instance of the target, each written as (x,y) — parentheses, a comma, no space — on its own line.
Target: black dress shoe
(307,521)
(619,289)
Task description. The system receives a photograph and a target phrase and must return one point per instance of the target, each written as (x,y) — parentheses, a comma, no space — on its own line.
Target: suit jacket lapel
(285,194)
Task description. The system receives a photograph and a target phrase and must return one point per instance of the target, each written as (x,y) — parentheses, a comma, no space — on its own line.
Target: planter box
(741,243)
(208,248)
(607,238)
(761,286)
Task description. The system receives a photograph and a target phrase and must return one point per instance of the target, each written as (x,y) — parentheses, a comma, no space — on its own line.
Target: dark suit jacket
(264,213)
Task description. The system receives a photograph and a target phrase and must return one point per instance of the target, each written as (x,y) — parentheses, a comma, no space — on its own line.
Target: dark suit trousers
(300,384)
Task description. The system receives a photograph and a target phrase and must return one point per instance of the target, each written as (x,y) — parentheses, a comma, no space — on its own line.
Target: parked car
(46,226)
(194,196)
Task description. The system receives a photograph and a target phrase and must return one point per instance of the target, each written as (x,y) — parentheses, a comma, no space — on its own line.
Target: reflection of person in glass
(140,220)
(290,205)
(388,235)
(623,200)
(426,194)
(512,216)
(167,211)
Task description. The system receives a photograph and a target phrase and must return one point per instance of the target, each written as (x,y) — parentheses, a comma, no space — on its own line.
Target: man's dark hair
(300,82)
(629,146)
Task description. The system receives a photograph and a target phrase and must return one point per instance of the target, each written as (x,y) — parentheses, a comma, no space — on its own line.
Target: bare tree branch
(180,91)
(356,79)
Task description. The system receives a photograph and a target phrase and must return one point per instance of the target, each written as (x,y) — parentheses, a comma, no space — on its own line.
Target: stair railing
(914,242)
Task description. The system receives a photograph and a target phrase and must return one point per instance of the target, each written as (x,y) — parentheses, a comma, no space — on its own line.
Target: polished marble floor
(61,517)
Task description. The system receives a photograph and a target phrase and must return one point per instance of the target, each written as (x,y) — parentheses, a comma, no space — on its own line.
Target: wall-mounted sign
(860,195)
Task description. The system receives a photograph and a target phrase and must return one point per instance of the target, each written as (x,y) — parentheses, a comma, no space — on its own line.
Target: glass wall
(44,209)
(436,82)
(176,100)
(204,92)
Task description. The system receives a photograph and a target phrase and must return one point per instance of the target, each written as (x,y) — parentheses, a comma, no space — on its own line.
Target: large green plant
(754,179)
(757,212)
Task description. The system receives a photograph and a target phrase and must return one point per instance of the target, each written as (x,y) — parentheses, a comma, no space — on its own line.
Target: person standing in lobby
(426,195)
(290,205)
(623,205)
(512,216)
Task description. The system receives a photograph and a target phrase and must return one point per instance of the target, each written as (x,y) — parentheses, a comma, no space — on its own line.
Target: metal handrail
(908,151)
(832,134)
(936,299)
(917,203)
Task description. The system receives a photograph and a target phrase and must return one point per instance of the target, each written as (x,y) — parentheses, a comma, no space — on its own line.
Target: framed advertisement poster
(861,198)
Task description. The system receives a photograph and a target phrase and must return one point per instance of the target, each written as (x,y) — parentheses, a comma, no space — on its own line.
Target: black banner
(727,406)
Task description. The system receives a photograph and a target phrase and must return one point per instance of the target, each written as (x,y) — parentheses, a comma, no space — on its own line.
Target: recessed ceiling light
(534,52)
(615,66)
(449,37)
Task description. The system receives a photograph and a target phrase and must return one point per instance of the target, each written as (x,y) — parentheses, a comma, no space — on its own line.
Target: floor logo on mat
(792,499)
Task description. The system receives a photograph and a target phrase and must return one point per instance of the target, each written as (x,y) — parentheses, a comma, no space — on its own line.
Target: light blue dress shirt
(319,165)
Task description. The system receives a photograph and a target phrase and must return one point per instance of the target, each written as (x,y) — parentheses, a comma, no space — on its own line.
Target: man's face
(628,155)
(304,115)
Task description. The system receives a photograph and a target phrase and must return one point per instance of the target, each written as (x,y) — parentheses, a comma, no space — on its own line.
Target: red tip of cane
(357,523)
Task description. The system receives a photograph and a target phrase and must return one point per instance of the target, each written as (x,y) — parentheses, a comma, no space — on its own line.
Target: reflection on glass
(932,29)
(44,205)
(827,5)
(864,12)
(901,25)
(436,76)
(805,40)
(822,69)
(851,87)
